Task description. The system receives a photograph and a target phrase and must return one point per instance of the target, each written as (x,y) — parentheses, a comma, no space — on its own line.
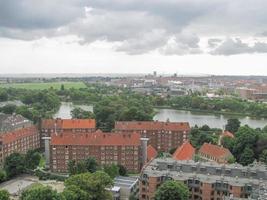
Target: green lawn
(43,86)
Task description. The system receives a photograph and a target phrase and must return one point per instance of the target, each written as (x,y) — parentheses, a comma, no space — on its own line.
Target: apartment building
(163,136)
(19,140)
(49,126)
(205,180)
(106,148)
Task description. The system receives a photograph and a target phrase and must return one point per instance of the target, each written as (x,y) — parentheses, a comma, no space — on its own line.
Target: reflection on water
(200,119)
(64,111)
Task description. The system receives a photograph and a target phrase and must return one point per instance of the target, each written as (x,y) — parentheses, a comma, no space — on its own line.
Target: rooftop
(152,125)
(214,150)
(97,138)
(184,152)
(208,172)
(151,152)
(68,123)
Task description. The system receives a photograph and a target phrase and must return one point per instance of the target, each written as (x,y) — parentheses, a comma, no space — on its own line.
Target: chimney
(144,150)
(47,150)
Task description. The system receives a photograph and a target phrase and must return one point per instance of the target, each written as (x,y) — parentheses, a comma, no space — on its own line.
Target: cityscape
(133,100)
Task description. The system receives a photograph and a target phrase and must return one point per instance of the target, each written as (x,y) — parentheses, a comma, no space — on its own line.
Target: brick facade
(106,148)
(163,136)
(20,140)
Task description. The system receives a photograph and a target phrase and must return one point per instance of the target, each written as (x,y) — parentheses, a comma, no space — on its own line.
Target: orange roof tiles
(151,153)
(97,138)
(214,150)
(69,123)
(18,134)
(184,152)
(152,125)
(228,134)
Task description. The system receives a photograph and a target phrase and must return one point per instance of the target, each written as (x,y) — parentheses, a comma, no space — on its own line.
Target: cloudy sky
(134,36)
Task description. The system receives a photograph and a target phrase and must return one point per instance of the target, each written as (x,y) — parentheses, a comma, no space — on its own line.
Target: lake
(200,119)
(65,109)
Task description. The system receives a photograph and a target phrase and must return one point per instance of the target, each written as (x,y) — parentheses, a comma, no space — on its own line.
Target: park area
(43,86)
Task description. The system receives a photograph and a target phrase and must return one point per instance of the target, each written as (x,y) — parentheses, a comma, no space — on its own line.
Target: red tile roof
(69,123)
(18,134)
(151,153)
(152,125)
(97,138)
(228,134)
(214,151)
(184,152)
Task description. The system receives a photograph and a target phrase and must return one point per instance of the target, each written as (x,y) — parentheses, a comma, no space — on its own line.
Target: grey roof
(208,172)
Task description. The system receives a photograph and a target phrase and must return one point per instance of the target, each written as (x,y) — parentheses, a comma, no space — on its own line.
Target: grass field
(43,86)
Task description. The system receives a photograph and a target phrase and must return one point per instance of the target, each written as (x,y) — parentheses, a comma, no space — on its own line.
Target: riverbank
(198,111)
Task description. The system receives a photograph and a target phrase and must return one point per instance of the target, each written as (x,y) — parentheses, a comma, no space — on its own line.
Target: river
(200,119)
(64,111)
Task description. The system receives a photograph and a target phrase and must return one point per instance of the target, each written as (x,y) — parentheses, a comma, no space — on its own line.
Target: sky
(221,37)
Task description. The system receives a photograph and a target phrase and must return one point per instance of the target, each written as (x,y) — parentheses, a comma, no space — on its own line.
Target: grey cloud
(213,42)
(237,46)
(139,26)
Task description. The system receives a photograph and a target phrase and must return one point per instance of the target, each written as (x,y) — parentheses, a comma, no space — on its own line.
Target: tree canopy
(88,186)
(172,190)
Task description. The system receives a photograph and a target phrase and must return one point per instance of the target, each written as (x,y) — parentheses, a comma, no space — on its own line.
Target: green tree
(232,125)
(112,170)
(72,167)
(78,113)
(263,156)
(8,109)
(40,192)
(91,164)
(14,164)
(172,190)
(88,186)
(32,159)
(247,156)
(4,195)
(122,170)
(3,175)
(62,87)
(3,95)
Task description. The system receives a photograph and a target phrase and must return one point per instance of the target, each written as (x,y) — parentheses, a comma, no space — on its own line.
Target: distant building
(205,180)
(13,122)
(245,93)
(184,152)
(107,148)
(211,152)
(163,136)
(19,140)
(124,187)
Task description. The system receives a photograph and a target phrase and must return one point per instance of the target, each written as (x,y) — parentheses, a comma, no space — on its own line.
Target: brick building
(211,152)
(163,136)
(19,140)
(106,148)
(49,126)
(205,180)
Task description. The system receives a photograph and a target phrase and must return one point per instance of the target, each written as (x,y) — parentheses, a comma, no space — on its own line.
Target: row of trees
(17,163)
(232,105)
(91,165)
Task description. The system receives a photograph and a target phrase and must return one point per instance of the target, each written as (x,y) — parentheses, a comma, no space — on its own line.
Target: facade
(163,136)
(184,152)
(13,122)
(20,140)
(106,148)
(211,152)
(205,180)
